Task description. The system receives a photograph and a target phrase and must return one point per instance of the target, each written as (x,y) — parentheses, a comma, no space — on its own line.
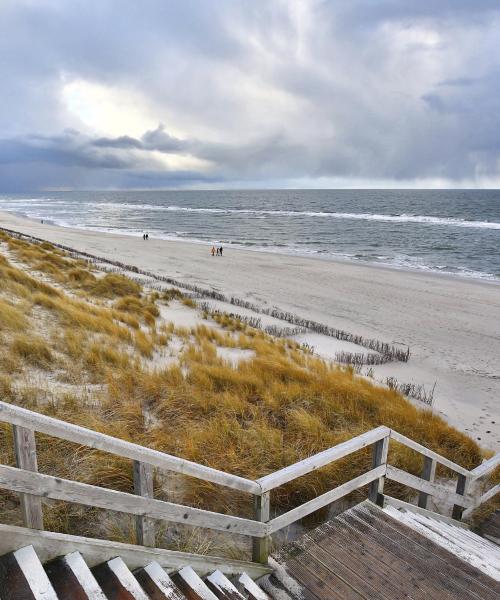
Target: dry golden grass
(11,318)
(34,350)
(267,412)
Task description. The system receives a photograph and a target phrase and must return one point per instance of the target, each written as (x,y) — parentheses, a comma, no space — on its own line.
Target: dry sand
(452,325)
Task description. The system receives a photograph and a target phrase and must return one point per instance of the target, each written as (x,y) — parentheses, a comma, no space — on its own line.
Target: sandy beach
(452,325)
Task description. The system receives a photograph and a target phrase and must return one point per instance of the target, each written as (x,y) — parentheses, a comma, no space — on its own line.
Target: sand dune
(452,325)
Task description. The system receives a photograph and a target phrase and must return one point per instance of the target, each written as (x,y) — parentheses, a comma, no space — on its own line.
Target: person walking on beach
(213,250)
(220,251)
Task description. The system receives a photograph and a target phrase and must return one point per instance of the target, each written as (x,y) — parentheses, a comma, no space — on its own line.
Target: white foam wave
(402,218)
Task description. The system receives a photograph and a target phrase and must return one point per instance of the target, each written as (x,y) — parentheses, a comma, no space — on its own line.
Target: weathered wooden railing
(33,486)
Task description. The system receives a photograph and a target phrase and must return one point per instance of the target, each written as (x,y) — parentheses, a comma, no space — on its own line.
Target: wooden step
(222,587)
(250,588)
(117,581)
(22,577)
(192,586)
(72,579)
(157,584)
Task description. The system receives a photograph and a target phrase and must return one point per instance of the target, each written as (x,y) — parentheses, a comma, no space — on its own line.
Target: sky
(120,94)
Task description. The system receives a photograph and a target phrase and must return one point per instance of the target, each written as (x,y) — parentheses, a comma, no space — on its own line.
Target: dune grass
(278,406)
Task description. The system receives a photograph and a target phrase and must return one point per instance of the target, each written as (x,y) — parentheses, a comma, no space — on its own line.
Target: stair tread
(252,588)
(117,581)
(192,586)
(72,579)
(222,587)
(157,583)
(22,577)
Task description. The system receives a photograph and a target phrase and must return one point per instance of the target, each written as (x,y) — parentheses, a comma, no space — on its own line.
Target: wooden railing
(33,486)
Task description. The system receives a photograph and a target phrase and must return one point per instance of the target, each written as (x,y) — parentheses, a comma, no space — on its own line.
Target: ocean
(448,231)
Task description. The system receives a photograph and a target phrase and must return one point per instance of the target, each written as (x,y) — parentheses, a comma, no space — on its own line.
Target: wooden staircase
(23,577)
(365,553)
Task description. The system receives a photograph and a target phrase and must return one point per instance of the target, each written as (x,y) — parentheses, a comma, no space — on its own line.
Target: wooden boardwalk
(365,554)
(490,529)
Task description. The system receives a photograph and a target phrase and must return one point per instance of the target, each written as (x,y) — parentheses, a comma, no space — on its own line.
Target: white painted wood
(486,467)
(126,578)
(194,581)
(481,500)
(309,507)
(82,493)
(49,545)
(34,573)
(322,458)
(162,580)
(379,457)
(426,452)
(86,437)
(425,486)
(400,504)
(260,546)
(249,586)
(222,584)
(84,576)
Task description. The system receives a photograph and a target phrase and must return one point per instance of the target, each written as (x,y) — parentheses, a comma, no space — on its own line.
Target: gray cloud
(260,91)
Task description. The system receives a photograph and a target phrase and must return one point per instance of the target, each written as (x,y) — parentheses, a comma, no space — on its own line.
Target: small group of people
(216,251)
(145,236)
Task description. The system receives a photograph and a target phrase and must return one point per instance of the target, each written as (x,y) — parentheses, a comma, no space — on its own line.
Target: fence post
(262,506)
(25,451)
(143,486)
(379,457)
(462,485)
(428,473)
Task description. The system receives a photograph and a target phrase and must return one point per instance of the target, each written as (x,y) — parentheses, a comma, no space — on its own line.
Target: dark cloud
(259,91)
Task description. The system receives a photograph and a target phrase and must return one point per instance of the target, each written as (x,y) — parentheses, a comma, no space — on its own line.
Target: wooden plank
(458,507)
(486,467)
(398,437)
(428,474)
(25,451)
(420,566)
(367,545)
(376,488)
(82,493)
(341,547)
(319,581)
(453,573)
(260,546)
(425,486)
(390,501)
(321,459)
(93,439)
(327,498)
(143,486)
(49,545)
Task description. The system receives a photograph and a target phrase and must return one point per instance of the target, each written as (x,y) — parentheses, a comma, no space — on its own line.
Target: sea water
(448,231)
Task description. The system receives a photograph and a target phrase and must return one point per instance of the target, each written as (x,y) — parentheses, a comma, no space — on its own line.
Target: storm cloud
(104,94)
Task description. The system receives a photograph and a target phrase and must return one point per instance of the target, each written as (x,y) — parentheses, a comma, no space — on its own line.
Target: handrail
(486,467)
(402,439)
(32,485)
(321,459)
(93,439)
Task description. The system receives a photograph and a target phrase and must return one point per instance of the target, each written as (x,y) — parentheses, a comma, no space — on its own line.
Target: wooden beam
(376,488)
(316,503)
(86,437)
(458,507)
(321,459)
(260,547)
(143,486)
(432,489)
(402,439)
(486,467)
(82,493)
(428,474)
(25,451)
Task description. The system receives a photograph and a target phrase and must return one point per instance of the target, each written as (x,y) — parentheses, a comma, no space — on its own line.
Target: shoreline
(450,323)
(486,278)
